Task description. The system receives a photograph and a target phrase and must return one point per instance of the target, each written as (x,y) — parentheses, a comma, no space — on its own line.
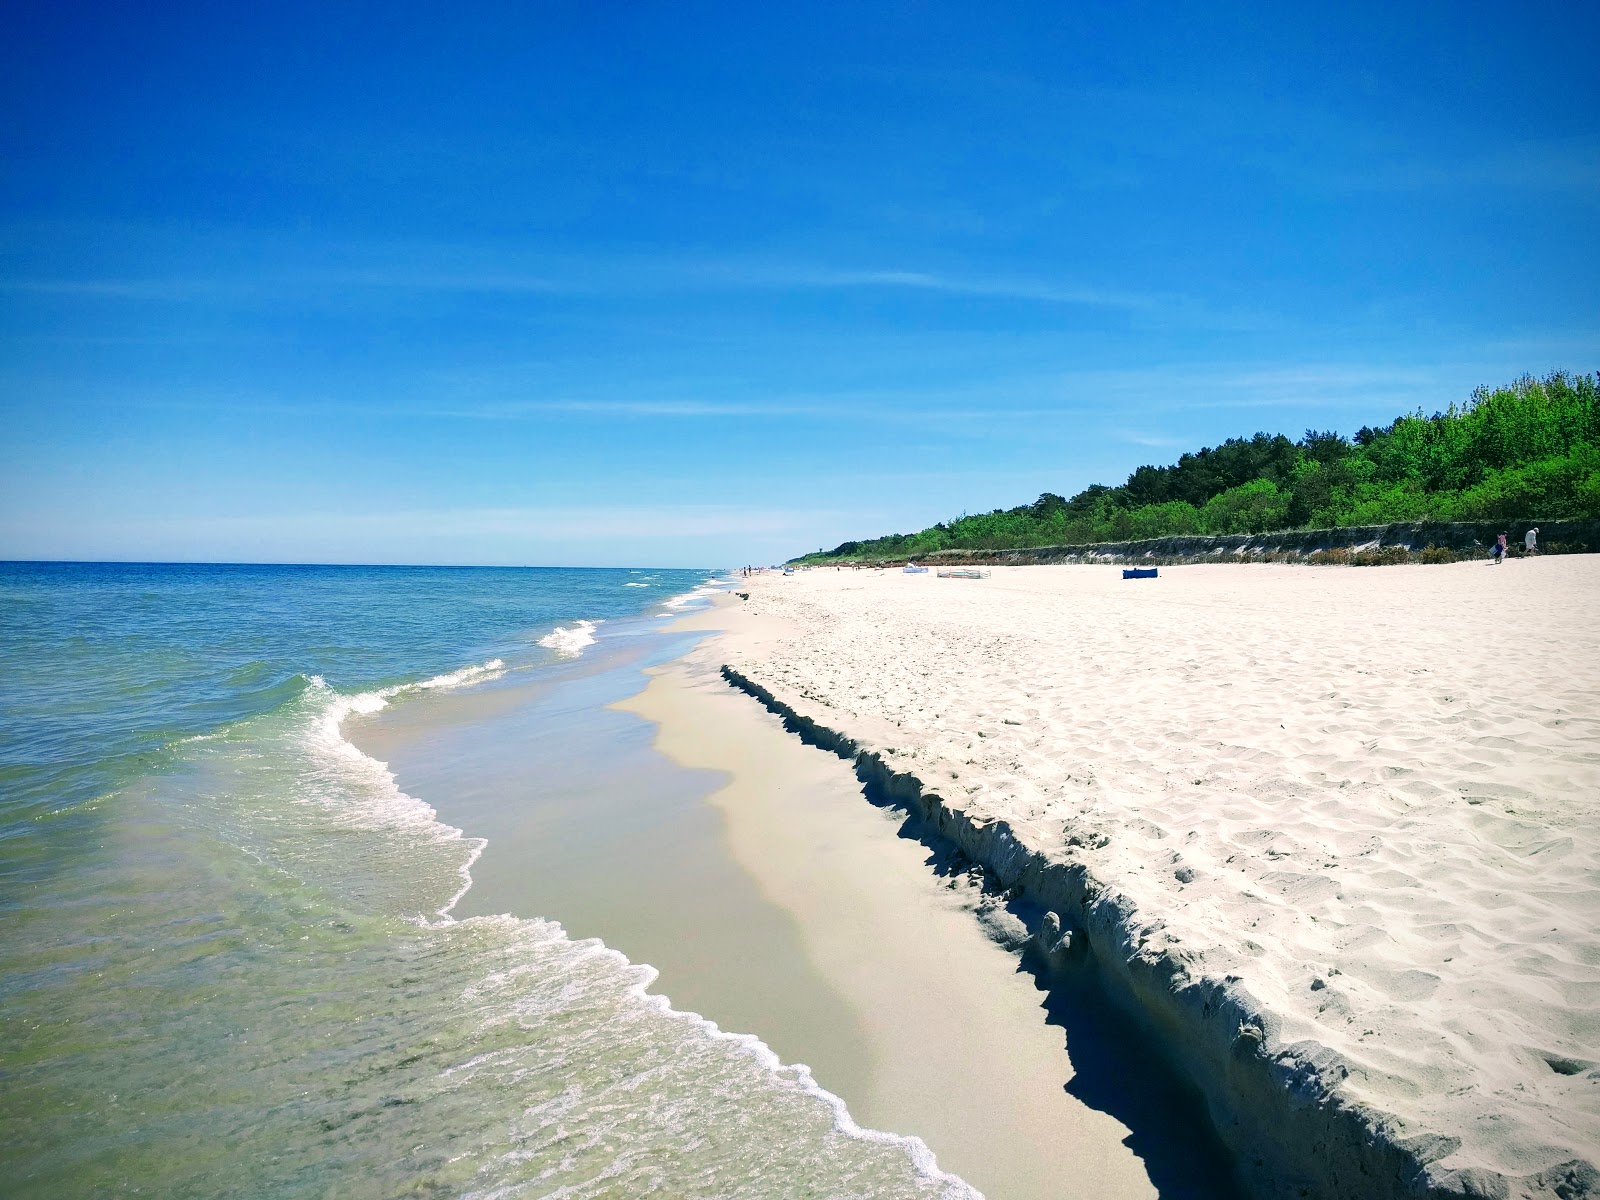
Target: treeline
(1531,449)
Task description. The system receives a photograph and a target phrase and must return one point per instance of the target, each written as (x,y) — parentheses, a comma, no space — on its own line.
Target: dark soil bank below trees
(1361,545)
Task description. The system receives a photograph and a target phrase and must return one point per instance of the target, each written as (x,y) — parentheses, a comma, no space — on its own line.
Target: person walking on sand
(1499,551)
(1530,540)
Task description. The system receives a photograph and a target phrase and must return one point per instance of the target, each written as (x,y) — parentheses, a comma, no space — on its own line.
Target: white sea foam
(372,798)
(953,1187)
(569,640)
(375,801)
(492,669)
(636,585)
(643,976)
(693,598)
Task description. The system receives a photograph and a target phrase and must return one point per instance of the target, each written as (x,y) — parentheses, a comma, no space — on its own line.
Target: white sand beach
(1354,811)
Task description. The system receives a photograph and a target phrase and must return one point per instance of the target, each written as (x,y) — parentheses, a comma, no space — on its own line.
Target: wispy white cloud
(473,269)
(969,398)
(1152,440)
(1182,387)
(517,410)
(455,280)
(995,287)
(280,284)
(163,290)
(974,405)
(1570,165)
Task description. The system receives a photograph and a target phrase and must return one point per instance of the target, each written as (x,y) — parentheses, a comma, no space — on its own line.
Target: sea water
(228,964)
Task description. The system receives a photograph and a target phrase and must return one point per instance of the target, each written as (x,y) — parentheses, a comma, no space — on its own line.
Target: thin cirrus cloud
(987,401)
(1570,166)
(735,275)
(1168,388)
(1154,441)
(925,281)
(650,275)
(466,270)
(517,410)
(157,289)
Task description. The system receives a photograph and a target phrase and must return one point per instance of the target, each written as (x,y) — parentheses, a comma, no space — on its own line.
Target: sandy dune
(1368,797)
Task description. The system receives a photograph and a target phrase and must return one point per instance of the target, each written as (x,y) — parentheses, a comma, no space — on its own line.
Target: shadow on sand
(1116,1069)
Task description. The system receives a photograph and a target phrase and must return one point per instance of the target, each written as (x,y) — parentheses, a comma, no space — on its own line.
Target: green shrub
(1253,507)
(1586,496)
(1164,520)
(1555,487)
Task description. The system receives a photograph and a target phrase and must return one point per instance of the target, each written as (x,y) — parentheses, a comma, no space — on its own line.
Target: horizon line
(199,562)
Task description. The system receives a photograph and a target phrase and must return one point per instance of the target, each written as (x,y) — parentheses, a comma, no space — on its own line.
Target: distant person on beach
(1530,540)
(1499,551)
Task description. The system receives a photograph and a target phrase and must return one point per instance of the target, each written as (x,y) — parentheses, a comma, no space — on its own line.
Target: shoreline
(592,833)
(771,898)
(1278,1096)
(916,954)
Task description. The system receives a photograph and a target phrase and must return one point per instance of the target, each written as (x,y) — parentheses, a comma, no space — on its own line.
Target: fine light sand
(1365,801)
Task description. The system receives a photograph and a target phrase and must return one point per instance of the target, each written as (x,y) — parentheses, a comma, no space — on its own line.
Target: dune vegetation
(1530,449)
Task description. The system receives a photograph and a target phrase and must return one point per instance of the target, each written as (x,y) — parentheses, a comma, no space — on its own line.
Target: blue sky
(696,284)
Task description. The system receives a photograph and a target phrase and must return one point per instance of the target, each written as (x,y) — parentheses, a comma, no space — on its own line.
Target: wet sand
(588,826)
(685,828)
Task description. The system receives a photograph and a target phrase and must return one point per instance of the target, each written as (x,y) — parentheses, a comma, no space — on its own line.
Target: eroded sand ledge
(1370,939)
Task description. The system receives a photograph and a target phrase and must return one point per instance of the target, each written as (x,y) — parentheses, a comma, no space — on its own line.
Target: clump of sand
(1370,798)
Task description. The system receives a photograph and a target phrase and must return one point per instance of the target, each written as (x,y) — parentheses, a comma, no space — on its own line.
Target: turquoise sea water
(228,965)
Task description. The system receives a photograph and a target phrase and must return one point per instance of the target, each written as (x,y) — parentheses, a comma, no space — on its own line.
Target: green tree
(1253,507)
(1528,449)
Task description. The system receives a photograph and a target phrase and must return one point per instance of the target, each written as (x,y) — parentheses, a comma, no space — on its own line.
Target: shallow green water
(228,966)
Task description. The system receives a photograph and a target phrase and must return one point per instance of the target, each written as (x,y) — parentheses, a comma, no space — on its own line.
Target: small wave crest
(569,641)
(798,1075)
(696,597)
(370,797)
(518,984)
(492,669)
